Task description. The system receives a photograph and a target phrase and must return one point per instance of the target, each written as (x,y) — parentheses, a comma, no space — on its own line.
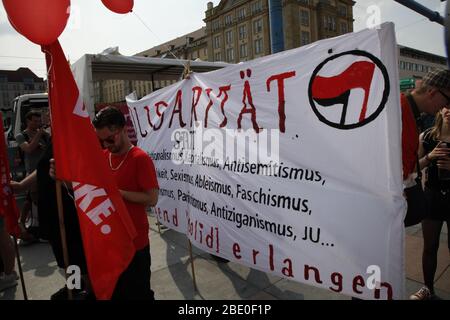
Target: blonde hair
(435,132)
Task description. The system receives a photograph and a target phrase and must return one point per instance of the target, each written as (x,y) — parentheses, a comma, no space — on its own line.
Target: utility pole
(434,16)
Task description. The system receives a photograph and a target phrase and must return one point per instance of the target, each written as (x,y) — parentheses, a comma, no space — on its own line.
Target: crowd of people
(138,192)
(428,146)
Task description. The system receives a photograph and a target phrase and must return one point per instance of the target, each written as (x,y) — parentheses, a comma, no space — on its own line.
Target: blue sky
(93,28)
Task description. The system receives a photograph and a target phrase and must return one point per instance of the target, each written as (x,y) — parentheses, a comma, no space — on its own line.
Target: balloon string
(168,48)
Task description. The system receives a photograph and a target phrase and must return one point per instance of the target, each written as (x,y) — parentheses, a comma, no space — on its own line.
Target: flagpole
(62,228)
(19,265)
(192,265)
(186,74)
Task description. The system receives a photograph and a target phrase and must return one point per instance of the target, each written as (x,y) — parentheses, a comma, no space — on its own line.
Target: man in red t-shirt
(136,179)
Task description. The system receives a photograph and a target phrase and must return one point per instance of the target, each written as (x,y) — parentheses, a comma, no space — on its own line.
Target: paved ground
(172,276)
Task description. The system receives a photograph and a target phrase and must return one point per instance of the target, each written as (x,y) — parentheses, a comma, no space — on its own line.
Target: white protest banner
(289,164)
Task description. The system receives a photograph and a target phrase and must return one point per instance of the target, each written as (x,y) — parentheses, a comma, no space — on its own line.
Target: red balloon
(119,6)
(41,21)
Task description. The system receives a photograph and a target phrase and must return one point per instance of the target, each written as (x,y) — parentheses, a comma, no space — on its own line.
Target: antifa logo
(345,99)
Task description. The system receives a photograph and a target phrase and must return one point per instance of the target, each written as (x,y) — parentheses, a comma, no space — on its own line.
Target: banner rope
(167,46)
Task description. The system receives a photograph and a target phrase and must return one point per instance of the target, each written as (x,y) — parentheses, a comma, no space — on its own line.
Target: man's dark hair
(109,117)
(32,113)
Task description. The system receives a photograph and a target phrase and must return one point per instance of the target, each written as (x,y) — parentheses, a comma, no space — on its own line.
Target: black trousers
(134,282)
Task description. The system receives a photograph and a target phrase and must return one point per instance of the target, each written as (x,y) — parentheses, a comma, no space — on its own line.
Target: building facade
(16,83)
(191,46)
(239,30)
(415,64)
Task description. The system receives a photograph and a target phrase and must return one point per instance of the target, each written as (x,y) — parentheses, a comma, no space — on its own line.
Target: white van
(21,106)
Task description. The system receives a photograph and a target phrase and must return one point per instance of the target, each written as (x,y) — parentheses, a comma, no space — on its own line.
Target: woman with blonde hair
(434,154)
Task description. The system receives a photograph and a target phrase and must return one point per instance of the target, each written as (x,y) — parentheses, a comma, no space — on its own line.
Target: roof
(20,75)
(91,68)
(178,42)
(431,57)
(106,67)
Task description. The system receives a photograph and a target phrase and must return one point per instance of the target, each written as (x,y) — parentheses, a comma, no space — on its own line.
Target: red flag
(107,229)
(8,205)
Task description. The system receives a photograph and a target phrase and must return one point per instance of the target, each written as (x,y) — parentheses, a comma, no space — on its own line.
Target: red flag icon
(106,227)
(336,90)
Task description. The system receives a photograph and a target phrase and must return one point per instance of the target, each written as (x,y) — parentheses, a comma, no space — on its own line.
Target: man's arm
(29,147)
(148,198)
(25,184)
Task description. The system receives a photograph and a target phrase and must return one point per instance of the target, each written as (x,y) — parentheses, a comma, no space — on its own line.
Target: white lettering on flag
(87,194)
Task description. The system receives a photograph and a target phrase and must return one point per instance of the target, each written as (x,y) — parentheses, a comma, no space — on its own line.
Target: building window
(344,28)
(304,18)
(215,25)
(258,46)
(329,23)
(205,52)
(229,37)
(402,65)
(342,10)
(256,6)
(217,42)
(230,55)
(243,50)
(242,12)
(305,38)
(217,56)
(242,32)
(304,2)
(228,20)
(28,84)
(257,26)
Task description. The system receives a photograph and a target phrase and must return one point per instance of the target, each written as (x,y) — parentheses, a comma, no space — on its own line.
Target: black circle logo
(335,88)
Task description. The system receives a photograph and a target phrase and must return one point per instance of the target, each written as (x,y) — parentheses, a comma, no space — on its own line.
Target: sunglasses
(445,96)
